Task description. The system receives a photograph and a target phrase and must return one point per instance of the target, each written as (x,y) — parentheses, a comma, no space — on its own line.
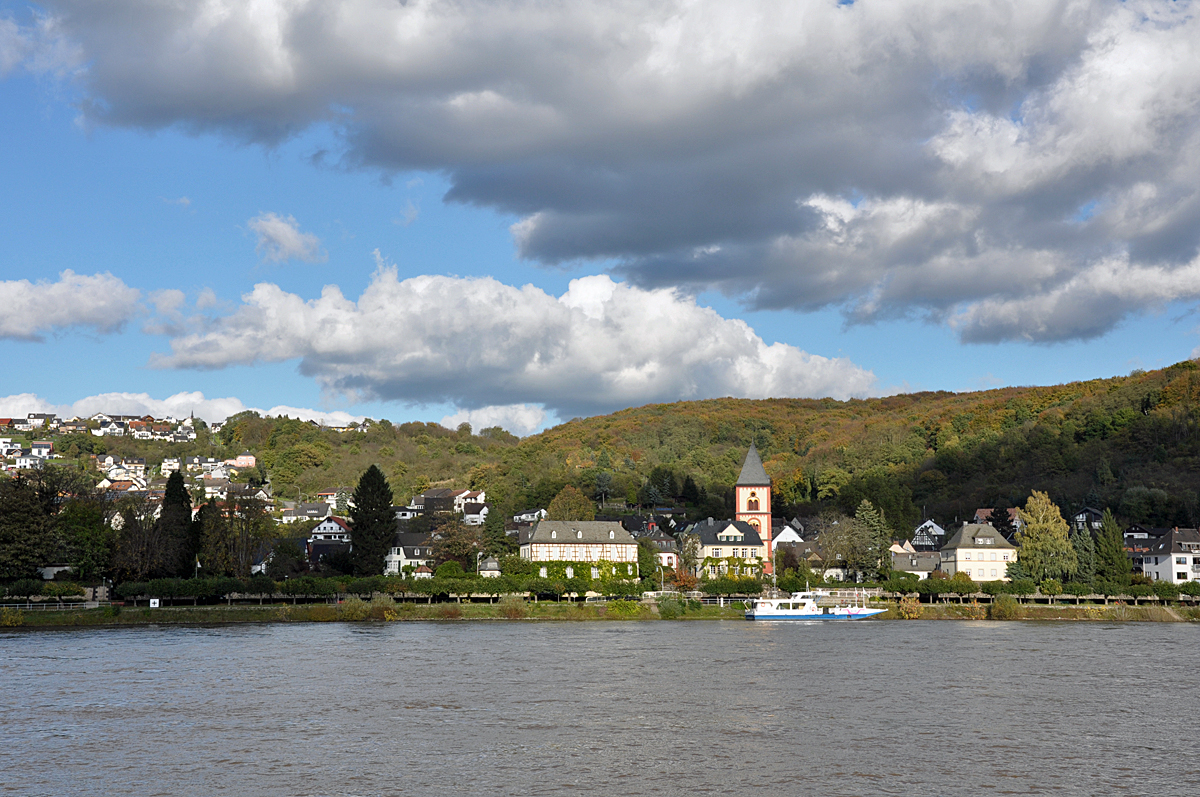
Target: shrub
(352,609)
(1166,590)
(1004,607)
(451,612)
(909,608)
(26,588)
(11,618)
(624,608)
(512,607)
(451,569)
(670,609)
(1191,588)
(382,607)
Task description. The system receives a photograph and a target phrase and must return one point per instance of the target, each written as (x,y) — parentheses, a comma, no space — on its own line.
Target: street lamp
(661,588)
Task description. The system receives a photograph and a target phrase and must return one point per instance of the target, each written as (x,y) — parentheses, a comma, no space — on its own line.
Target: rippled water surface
(604,708)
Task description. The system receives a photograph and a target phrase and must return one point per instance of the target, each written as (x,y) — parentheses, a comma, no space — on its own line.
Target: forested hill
(1129,443)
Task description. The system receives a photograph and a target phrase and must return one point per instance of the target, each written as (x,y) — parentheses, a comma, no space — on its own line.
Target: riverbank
(360,611)
(386,611)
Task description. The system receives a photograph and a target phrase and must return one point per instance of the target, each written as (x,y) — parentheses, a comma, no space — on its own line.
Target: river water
(664,708)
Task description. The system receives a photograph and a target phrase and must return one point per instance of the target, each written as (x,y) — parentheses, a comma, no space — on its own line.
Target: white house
(331,529)
(409,552)
(928,536)
(169,465)
(475,514)
(980,551)
(530,516)
(1173,557)
(582,541)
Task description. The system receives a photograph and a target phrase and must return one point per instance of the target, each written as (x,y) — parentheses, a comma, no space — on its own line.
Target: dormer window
(554,535)
(612,535)
(579,535)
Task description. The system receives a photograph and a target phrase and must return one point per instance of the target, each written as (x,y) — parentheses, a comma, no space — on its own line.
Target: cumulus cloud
(101,302)
(180,405)
(520,419)
(991,153)
(478,343)
(280,239)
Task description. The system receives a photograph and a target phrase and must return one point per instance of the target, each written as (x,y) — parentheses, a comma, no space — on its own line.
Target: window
(612,535)
(579,536)
(570,572)
(993,574)
(716,553)
(542,572)
(967,556)
(1181,576)
(595,572)
(1181,560)
(752,503)
(967,571)
(554,535)
(993,556)
(1005,557)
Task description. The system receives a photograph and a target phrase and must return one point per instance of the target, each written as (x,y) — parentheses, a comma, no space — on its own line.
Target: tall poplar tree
(1112,564)
(1046,548)
(178,534)
(372,523)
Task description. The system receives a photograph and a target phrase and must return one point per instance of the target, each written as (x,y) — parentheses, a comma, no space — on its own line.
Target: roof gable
(753,474)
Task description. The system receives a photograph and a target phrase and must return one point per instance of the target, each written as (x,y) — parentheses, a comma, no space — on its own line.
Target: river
(664,708)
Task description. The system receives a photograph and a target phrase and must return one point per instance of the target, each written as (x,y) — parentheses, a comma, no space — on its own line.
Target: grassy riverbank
(359,611)
(387,611)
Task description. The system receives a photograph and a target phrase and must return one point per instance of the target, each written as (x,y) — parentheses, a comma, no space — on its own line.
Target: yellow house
(978,550)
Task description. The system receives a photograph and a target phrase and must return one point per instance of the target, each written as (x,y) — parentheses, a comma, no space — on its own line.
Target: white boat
(805,606)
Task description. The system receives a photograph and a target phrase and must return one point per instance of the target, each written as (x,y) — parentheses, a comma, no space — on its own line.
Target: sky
(518,213)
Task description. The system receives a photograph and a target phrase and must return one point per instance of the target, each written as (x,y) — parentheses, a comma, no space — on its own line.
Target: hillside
(1131,443)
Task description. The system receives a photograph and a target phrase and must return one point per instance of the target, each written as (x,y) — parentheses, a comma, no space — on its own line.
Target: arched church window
(752,503)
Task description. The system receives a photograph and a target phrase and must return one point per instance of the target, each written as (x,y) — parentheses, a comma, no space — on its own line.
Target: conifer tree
(495,540)
(178,534)
(1002,522)
(1085,554)
(1112,564)
(1046,548)
(372,523)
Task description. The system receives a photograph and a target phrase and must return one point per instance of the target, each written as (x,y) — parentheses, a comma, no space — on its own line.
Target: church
(752,501)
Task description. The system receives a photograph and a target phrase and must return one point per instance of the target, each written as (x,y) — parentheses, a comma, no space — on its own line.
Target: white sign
(154,603)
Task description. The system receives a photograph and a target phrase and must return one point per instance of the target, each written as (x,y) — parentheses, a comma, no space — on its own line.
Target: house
(7,447)
(922,563)
(243,460)
(424,571)
(42,448)
(1173,557)
(476,514)
(216,488)
(729,547)
(464,497)
(1087,519)
(300,512)
(530,516)
(410,550)
(978,550)
(787,535)
(25,460)
(440,499)
(337,497)
(928,536)
(331,535)
(582,541)
(135,466)
(489,568)
(668,548)
(38,420)
(201,464)
(169,465)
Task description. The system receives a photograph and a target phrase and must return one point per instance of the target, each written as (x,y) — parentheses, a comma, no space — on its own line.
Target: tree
(175,527)
(1002,520)
(88,539)
(372,523)
(1046,548)
(647,560)
(496,541)
(287,560)
(690,493)
(250,533)
(571,504)
(215,555)
(455,541)
(1085,554)
(689,553)
(1112,564)
(877,537)
(26,533)
(142,552)
(604,483)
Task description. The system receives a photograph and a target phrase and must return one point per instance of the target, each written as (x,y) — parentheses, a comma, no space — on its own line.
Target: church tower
(752,501)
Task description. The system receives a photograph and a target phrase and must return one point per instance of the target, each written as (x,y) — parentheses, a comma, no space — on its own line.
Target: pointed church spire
(753,474)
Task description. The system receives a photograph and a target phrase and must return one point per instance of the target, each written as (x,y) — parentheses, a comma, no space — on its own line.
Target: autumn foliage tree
(571,504)
(1046,548)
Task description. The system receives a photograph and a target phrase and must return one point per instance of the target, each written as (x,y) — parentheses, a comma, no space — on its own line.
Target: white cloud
(30,309)
(180,405)
(520,419)
(1002,149)
(478,343)
(280,239)
(408,215)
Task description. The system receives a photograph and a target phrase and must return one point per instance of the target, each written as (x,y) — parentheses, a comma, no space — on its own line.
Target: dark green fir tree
(372,523)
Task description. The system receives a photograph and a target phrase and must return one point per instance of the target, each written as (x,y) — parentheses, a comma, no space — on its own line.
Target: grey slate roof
(708,532)
(965,537)
(1176,541)
(579,531)
(753,474)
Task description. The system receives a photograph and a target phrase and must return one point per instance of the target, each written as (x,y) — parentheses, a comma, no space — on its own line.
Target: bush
(909,608)
(623,608)
(451,569)
(670,609)
(26,588)
(1166,590)
(1191,588)
(353,609)
(513,607)
(1077,588)
(1004,607)
(382,607)
(1022,586)
(260,584)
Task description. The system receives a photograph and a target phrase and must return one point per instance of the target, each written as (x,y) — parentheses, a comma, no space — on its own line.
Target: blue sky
(995,278)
